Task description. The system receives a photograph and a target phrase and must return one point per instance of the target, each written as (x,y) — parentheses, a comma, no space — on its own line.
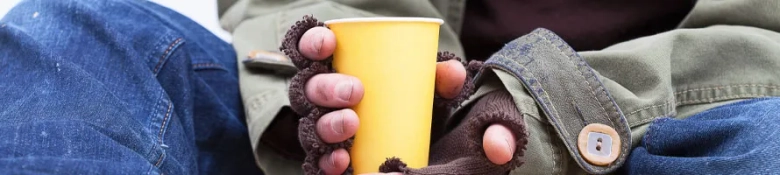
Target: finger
(499,144)
(450,76)
(337,126)
(335,162)
(317,43)
(334,90)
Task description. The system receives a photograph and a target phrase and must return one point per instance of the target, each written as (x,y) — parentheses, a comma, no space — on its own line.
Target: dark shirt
(583,24)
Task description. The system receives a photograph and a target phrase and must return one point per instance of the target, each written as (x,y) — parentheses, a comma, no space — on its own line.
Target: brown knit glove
(461,151)
(450,153)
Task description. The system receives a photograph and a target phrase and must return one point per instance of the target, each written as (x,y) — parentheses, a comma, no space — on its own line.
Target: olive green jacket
(723,51)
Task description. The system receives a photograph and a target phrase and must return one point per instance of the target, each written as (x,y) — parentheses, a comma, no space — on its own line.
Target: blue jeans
(117,87)
(738,138)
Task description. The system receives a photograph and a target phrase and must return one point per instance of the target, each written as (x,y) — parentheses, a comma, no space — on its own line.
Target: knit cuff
(461,151)
(472,67)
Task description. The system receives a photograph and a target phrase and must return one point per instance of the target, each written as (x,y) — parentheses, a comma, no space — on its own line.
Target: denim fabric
(738,138)
(117,87)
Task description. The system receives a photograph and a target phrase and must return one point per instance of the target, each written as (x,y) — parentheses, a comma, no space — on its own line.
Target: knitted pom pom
(393,164)
(293,36)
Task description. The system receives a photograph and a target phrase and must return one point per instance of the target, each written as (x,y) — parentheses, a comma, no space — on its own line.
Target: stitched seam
(722,98)
(766,87)
(159,160)
(679,93)
(727,86)
(646,108)
(543,99)
(544,96)
(160,134)
(567,144)
(208,65)
(590,86)
(552,149)
(165,54)
(648,137)
(620,129)
(529,74)
(593,95)
(162,127)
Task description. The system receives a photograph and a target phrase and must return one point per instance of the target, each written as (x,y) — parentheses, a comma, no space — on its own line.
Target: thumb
(450,76)
(317,43)
(499,144)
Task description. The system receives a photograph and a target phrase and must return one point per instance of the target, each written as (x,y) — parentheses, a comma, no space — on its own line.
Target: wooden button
(599,144)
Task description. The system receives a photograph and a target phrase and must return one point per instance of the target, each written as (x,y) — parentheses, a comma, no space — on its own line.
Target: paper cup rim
(385,19)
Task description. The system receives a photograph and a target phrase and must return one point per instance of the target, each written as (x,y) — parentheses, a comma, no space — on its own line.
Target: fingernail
(331,160)
(344,90)
(317,42)
(509,146)
(337,123)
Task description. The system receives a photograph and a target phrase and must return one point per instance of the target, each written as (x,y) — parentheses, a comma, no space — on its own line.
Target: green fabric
(223,5)
(725,50)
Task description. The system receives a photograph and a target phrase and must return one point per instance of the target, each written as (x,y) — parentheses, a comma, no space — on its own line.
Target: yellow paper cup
(395,59)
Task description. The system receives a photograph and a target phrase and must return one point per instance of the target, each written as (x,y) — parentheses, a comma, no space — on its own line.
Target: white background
(204,12)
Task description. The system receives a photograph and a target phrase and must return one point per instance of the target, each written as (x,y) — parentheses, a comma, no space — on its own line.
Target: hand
(343,91)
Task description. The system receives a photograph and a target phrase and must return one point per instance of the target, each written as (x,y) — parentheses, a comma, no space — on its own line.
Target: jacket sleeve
(724,51)
(258,28)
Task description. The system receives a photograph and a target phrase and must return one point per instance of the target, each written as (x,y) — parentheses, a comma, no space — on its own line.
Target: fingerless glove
(456,150)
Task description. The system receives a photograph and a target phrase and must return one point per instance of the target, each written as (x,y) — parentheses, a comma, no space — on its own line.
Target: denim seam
(157,148)
(165,55)
(208,65)
(162,126)
(648,136)
(159,160)
(160,135)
